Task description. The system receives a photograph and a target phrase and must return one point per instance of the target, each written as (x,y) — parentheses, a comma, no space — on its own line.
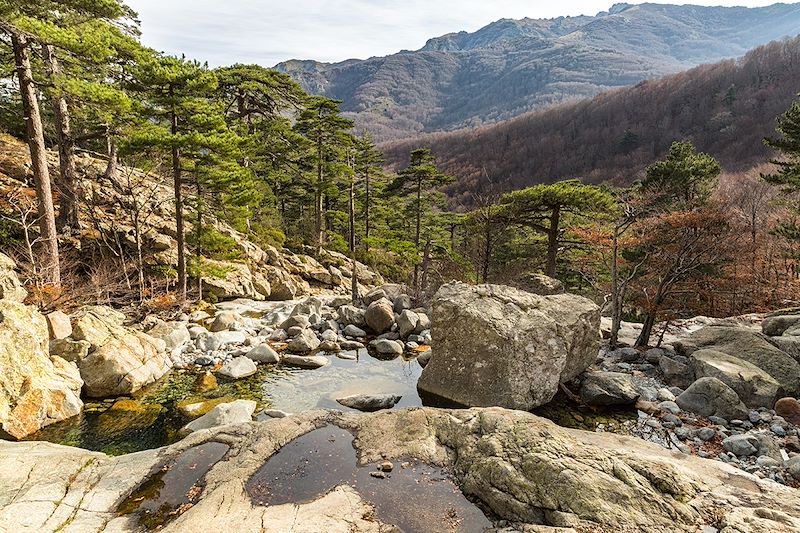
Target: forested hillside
(514,66)
(725,109)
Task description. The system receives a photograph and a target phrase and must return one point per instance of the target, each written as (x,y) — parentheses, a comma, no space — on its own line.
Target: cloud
(270,31)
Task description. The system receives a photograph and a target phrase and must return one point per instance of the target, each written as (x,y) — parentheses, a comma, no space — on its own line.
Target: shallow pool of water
(153,419)
(413,496)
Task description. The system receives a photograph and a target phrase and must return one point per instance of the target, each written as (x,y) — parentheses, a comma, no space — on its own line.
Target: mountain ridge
(725,109)
(512,66)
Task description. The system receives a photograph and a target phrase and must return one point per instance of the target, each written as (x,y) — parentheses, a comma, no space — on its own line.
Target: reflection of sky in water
(302,390)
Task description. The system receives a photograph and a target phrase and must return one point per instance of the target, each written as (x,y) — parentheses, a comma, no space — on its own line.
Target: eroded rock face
(522,467)
(35,389)
(496,345)
(237,281)
(120,360)
(10,286)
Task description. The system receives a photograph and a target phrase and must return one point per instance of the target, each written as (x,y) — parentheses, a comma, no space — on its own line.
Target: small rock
(224,321)
(387,466)
(222,415)
(387,347)
(665,395)
(237,368)
(305,342)
(706,434)
(353,331)
(378,474)
(264,354)
(317,361)
(789,409)
(329,346)
(741,445)
(670,407)
(608,388)
(351,345)
(370,403)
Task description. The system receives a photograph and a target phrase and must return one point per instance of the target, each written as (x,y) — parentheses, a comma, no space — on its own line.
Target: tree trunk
(552,242)
(426,261)
(417,233)
(616,304)
(113,157)
(318,206)
(352,217)
(366,207)
(68,210)
(647,330)
(178,186)
(487,251)
(51,270)
(199,236)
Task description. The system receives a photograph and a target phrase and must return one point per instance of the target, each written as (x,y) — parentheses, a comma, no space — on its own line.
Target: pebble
(378,474)
(706,434)
(387,466)
(670,407)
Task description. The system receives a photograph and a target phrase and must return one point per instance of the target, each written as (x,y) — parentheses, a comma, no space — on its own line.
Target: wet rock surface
(551,476)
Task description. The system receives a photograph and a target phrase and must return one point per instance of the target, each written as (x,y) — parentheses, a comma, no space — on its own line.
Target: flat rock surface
(523,468)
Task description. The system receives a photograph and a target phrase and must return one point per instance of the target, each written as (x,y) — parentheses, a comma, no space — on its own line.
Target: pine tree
(369,168)
(79,31)
(788,172)
(186,123)
(21,42)
(419,179)
(329,135)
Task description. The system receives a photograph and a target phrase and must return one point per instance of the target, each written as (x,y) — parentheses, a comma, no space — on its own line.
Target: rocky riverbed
(723,390)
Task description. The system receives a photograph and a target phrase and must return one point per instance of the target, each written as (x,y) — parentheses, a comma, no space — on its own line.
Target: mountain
(725,109)
(513,66)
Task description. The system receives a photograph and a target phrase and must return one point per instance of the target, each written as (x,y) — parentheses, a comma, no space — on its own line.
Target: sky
(267,32)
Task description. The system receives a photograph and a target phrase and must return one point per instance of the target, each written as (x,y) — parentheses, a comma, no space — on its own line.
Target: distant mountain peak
(513,66)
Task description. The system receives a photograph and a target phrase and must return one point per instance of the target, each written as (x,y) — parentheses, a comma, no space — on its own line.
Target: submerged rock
(304,361)
(370,402)
(497,345)
(223,415)
(36,389)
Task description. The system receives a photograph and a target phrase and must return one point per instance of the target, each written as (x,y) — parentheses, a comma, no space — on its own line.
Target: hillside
(726,109)
(513,66)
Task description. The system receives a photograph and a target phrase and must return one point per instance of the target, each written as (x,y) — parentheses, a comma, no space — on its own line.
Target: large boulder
(174,334)
(711,397)
(608,388)
(230,280)
(496,345)
(777,325)
(754,387)
(524,470)
(10,286)
(283,285)
(121,360)
(536,283)
(35,389)
(749,346)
